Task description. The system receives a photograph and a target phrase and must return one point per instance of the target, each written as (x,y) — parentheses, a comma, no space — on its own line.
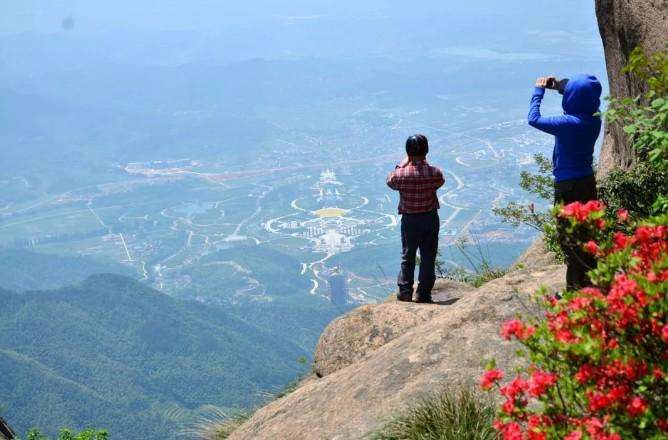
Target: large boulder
(354,336)
(623,26)
(450,348)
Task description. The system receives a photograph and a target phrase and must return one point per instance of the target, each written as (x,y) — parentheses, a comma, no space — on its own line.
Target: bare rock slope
(392,353)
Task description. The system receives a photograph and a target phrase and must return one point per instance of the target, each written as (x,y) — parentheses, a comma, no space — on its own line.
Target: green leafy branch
(645,117)
(540,184)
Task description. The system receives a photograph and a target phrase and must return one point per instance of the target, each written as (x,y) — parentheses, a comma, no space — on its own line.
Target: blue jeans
(418,231)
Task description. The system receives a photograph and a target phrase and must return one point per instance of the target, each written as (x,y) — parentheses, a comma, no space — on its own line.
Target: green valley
(113,353)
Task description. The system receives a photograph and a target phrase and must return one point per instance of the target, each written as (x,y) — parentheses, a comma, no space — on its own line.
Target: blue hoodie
(576,130)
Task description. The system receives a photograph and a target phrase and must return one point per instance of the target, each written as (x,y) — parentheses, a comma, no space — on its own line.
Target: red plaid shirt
(417,184)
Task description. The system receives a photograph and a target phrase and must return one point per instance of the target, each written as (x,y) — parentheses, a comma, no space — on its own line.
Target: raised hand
(546,82)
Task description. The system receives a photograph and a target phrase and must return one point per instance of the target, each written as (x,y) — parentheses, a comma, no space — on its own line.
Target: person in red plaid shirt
(417,183)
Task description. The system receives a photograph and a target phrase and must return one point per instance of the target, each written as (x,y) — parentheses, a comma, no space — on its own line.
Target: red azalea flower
(528,332)
(565,336)
(592,291)
(510,328)
(509,431)
(636,407)
(600,224)
(585,373)
(575,435)
(613,436)
(535,426)
(581,212)
(508,406)
(598,401)
(657,373)
(537,435)
(620,240)
(516,328)
(592,247)
(618,393)
(490,378)
(594,426)
(662,424)
(624,323)
(515,388)
(594,205)
(578,303)
(540,381)
(612,343)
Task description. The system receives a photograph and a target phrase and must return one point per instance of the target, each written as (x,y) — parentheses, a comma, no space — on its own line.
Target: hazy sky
(201,15)
(37,33)
(213,16)
(126,75)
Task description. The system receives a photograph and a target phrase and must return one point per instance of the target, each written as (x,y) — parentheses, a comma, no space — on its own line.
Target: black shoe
(404,298)
(424,301)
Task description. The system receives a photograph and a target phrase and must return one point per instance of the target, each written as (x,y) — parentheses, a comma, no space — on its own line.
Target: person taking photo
(575,132)
(417,183)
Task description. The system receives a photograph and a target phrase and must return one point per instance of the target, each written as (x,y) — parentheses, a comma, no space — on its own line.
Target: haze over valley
(234,159)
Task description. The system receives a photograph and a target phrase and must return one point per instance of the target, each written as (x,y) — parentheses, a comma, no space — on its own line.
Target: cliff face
(625,24)
(378,359)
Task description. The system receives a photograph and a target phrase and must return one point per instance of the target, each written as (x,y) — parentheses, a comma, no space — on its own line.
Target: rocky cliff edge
(377,359)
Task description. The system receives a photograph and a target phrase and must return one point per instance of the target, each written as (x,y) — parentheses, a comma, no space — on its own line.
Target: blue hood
(582,95)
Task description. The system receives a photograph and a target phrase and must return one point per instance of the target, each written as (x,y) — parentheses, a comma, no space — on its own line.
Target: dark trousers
(578,261)
(418,231)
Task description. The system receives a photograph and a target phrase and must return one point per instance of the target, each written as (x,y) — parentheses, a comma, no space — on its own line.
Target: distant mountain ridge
(21,269)
(113,353)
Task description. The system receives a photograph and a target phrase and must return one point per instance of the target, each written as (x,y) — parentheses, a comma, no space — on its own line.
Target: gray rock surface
(354,336)
(449,348)
(536,256)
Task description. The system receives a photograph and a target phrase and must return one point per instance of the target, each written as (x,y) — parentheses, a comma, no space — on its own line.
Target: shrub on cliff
(480,269)
(541,185)
(597,360)
(643,189)
(645,117)
(447,415)
(216,424)
(637,190)
(66,434)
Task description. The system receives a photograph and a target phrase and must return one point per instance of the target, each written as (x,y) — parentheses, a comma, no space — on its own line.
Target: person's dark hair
(417,145)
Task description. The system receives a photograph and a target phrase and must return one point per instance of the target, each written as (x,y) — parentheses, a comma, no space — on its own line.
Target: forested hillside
(113,353)
(21,269)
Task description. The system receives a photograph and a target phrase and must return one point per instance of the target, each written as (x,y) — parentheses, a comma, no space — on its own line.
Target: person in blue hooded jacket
(575,132)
